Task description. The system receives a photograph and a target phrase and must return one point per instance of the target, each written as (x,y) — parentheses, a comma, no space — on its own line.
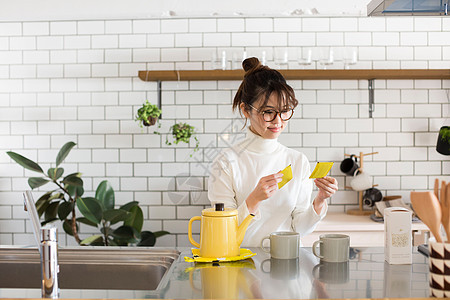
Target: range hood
(408,8)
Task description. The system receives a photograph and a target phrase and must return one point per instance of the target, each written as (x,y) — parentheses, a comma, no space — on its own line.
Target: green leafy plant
(148,114)
(444,134)
(182,132)
(98,211)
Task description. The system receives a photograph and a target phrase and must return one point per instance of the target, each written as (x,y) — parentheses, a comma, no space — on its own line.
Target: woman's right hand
(265,188)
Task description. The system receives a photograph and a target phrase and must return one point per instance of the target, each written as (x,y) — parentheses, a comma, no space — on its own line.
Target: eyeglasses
(271,114)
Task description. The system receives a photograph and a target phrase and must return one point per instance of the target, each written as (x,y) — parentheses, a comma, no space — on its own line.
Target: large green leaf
(42,203)
(86,221)
(55,173)
(129,205)
(75,191)
(51,211)
(35,182)
(136,218)
(64,209)
(126,234)
(64,152)
(67,226)
(105,195)
(25,162)
(56,195)
(49,221)
(90,209)
(73,180)
(115,215)
(148,238)
(160,233)
(93,239)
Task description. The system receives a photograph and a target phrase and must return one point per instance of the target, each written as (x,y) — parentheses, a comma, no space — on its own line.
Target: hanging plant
(148,114)
(443,142)
(182,132)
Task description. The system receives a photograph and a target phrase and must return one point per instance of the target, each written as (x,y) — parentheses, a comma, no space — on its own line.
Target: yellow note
(321,169)
(287,176)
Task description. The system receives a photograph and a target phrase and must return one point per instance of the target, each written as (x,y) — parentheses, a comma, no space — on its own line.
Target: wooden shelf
(200,75)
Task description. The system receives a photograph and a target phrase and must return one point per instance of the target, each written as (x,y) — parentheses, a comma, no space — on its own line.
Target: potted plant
(118,226)
(182,132)
(148,114)
(443,142)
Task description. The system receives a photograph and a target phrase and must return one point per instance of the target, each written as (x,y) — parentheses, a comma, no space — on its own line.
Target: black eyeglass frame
(277,113)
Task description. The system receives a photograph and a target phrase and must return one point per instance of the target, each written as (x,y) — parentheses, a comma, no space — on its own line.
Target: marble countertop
(366,275)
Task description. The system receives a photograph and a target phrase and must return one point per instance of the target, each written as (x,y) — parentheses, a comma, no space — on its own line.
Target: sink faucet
(49,262)
(47,240)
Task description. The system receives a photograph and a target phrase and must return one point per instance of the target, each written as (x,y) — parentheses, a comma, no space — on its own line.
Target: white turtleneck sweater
(236,171)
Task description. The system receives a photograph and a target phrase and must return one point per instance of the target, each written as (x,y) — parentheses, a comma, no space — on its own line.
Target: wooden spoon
(427,207)
(445,207)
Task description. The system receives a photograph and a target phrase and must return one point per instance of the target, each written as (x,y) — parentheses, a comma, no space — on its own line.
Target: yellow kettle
(220,235)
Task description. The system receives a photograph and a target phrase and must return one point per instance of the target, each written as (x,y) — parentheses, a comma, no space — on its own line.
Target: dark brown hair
(259,83)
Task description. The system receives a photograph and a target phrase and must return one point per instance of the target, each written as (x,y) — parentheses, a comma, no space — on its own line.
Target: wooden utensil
(436,187)
(445,208)
(427,207)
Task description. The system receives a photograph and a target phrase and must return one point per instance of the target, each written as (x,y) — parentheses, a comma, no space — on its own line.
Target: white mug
(361,181)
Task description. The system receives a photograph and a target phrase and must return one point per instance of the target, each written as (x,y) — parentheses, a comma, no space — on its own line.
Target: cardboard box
(397,235)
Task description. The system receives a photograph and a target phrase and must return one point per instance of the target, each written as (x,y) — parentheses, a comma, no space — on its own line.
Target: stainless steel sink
(105,268)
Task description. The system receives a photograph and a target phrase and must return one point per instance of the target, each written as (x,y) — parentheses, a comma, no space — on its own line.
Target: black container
(443,142)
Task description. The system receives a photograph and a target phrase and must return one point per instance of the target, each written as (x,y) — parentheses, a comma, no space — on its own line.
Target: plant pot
(443,142)
(151,121)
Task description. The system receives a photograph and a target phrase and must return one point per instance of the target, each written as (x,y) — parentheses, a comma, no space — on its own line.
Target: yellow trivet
(287,172)
(321,169)
(244,254)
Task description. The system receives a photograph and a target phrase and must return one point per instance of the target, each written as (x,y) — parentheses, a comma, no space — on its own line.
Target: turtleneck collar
(256,143)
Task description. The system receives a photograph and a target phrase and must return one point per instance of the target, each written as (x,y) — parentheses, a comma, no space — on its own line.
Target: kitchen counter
(366,275)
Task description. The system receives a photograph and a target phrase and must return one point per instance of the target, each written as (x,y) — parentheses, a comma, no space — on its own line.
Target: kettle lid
(219,210)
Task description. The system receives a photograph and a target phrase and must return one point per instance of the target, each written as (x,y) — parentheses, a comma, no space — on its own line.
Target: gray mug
(328,272)
(283,244)
(333,247)
(283,269)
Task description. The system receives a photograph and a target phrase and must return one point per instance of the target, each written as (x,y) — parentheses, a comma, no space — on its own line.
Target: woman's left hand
(327,186)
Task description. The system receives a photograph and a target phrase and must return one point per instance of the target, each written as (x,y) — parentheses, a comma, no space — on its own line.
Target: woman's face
(267,130)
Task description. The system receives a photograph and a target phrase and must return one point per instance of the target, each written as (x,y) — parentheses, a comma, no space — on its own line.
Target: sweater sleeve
(221,187)
(304,216)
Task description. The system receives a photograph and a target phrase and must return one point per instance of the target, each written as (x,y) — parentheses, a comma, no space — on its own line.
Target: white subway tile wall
(77,81)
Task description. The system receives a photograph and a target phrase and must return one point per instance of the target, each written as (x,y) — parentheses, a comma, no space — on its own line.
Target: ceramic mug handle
(262,265)
(262,242)
(314,248)
(316,270)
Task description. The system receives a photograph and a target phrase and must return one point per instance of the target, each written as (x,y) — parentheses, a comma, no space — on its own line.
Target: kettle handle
(191,239)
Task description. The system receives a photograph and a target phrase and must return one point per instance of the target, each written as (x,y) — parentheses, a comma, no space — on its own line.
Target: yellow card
(321,169)
(287,176)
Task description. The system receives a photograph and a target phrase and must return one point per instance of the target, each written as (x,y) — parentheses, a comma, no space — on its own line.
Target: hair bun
(251,64)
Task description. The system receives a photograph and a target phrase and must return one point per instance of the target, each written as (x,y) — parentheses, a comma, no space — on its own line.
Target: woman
(246,176)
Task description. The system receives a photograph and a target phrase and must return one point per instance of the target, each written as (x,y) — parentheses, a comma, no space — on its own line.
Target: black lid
(220,207)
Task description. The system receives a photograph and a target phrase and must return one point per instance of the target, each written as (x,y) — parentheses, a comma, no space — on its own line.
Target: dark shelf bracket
(159,99)
(371,98)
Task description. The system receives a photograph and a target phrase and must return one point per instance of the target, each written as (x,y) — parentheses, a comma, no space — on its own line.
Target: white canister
(397,235)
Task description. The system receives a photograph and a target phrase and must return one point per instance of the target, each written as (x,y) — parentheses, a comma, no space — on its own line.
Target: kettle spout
(243,228)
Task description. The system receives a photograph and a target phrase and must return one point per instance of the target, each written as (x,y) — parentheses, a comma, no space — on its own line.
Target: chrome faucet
(49,262)
(47,240)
